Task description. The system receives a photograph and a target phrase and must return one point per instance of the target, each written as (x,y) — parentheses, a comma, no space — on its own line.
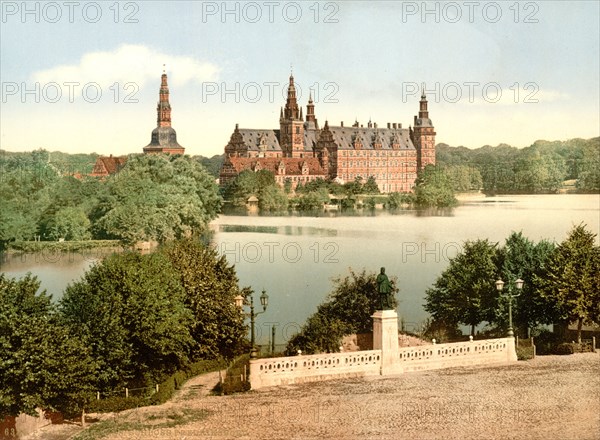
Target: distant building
(164,137)
(301,151)
(107,165)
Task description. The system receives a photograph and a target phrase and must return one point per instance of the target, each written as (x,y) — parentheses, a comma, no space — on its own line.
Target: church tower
(291,125)
(164,137)
(423,135)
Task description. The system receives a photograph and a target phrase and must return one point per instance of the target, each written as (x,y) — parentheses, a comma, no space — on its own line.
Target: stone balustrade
(308,368)
(457,354)
(387,359)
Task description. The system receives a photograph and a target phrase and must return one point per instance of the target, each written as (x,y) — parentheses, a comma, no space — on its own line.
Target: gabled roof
(293,165)
(344,137)
(106,165)
(252,139)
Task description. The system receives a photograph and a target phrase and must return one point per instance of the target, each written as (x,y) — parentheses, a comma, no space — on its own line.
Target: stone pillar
(511,349)
(385,338)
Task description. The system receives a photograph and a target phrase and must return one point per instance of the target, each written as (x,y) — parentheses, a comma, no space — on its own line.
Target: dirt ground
(551,397)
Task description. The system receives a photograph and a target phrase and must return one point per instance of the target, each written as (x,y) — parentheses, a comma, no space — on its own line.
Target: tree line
(432,189)
(153,198)
(543,167)
(562,284)
(130,321)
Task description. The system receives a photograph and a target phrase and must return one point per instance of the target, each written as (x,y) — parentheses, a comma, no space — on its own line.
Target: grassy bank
(60,246)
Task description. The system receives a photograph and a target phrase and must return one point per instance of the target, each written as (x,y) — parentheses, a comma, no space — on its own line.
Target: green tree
(157,197)
(347,309)
(465,292)
(250,183)
(521,258)
(68,223)
(26,181)
(434,189)
(131,311)
(313,200)
(210,286)
(42,364)
(370,186)
(589,176)
(571,278)
(272,199)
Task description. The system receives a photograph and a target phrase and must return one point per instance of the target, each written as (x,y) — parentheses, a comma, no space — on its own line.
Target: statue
(385,290)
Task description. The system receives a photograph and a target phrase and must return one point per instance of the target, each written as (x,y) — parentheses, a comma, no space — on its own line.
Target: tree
(130,310)
(571,278)
(210,286)
(589,177)
(42,364)
(465,292)
(272,199)
(68,223)
(521,258)
(26,180)
(347,309)
(157,197)
(370,187)
(313,200)
(433,189)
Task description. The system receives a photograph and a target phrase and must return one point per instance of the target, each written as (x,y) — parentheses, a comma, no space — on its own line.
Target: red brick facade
(302,151)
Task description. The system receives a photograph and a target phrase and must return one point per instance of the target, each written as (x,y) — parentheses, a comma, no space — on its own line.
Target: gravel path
(551,397)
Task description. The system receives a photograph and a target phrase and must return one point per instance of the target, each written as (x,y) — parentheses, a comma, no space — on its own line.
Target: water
(295,258)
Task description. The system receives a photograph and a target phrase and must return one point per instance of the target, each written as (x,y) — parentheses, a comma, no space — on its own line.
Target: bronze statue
(385,290)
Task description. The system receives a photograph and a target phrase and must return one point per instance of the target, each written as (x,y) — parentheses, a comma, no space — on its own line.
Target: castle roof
(345,137)
(293,165)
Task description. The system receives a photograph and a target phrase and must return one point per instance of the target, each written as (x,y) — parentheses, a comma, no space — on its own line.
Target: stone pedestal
(511,350)
(385,338)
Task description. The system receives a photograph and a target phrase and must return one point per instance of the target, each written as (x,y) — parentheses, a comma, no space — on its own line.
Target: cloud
(129,63)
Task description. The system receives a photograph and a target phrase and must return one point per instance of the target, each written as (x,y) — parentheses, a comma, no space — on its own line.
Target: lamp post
(240,301)
(519,285)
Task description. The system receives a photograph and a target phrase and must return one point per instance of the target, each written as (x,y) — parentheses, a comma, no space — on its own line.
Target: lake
(295,258)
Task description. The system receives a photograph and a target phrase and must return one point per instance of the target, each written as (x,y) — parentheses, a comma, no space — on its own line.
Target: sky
(83,77)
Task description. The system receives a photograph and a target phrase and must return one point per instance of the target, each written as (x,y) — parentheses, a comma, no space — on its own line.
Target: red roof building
(301,151)
(107,165)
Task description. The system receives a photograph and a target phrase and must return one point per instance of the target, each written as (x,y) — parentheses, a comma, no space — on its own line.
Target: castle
(301,151)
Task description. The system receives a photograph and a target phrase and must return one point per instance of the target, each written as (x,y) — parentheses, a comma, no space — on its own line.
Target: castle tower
(164,137)
(311,119)
(291,125)
(325,149)
(423,135)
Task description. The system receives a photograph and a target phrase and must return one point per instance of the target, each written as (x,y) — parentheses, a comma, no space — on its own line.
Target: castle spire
(163,108)
(310,112)
(291,105)
(423,112)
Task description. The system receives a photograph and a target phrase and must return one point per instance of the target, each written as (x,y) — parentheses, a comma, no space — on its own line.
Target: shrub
(525,353)
(116,404)
(564,348)
(547,342)
(233,382)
